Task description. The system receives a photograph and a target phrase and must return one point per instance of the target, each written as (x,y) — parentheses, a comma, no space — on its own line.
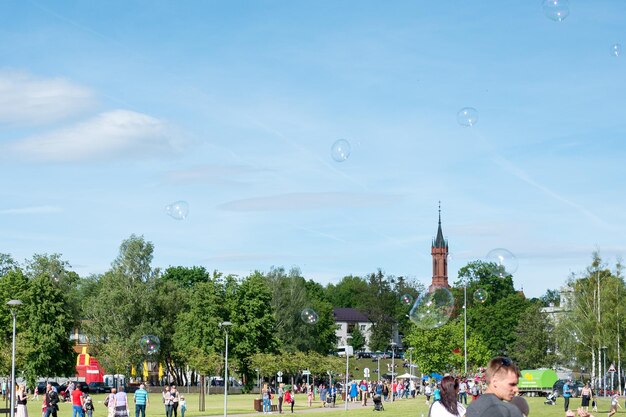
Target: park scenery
(333,206)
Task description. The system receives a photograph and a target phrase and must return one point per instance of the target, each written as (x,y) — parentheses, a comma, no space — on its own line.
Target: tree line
(184,307)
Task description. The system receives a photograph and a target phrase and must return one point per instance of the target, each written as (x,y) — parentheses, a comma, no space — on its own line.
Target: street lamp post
(225,325)
(393,369)
(411,360)
(465,324)
(13,304)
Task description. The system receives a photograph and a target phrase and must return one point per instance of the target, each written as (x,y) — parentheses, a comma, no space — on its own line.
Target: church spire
(439,252)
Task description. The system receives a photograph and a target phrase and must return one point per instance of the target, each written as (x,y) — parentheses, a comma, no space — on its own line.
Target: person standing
(463,392)
(141,401)
(109,403)
(78,402)
(265,395)
(121,403)
(448,404)
(502,377)
(22,397)
(281,395)
(89,408)
(167,401)
(183,406)
(567,393)
(176,399)
(587,396)
(52,401)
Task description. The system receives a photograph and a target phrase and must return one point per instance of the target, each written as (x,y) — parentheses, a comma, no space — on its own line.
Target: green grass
(243,404)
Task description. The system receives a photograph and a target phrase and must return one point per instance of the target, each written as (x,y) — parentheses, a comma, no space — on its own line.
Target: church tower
(439,252)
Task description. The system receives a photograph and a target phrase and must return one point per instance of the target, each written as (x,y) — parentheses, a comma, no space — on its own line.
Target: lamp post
(411,360)
(13,304)
(465,324)
(393,369)
(225,325)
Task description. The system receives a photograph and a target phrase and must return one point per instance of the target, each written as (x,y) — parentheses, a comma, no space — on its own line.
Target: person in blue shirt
(567,394)
(141,401)
(437,393)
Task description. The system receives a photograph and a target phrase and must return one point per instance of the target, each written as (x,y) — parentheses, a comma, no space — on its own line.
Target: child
(614,404)
(289,399)
(310,395)
(89,408)
(183,406)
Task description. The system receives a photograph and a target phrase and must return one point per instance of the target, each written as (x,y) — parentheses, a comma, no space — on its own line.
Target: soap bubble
(432,309)
(407,299)
(309,316)
(149,344)
(480,295)
(340,151)
(556,10)
(616,50)
(178,210)
(504,259)
(467,116)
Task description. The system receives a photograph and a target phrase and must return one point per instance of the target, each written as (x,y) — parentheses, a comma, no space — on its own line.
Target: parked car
(41,387)
(99,388)
(575,387)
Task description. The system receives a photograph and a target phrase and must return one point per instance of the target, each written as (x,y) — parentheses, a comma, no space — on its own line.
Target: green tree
(358,339)
(533,339)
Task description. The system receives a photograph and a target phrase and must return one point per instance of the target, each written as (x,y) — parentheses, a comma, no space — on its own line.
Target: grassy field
(243,404)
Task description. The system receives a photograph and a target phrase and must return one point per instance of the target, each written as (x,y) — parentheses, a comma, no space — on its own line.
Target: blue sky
(111,110)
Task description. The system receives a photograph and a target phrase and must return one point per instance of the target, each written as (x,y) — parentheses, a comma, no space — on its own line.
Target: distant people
(290,399)
(428,391)
(21,398)
(89,408)
(265,395)
(51,401)
(281,397)
(475,391)
(502,377)
(121,403)
(614,404)
(109,403)
(437,393)
(167,401)
(141,401)
(4,390)
(567,394)
(309,396)
(354,391)
(78,402)
(183,406)
(448,404)
(463,392)
(323,395)
(176,399)
(587,395)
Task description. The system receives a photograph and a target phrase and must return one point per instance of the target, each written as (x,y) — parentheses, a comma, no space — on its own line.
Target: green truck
(537,382)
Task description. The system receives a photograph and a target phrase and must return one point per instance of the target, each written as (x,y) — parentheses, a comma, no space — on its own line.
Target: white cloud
(111,134)
(308,201)
(215,174)
(32,210)
(28,100)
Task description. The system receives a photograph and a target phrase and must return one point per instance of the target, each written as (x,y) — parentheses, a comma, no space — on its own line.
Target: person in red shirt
(78,402)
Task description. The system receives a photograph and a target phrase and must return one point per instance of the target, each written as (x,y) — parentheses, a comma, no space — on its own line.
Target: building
(347,319)
(439,253)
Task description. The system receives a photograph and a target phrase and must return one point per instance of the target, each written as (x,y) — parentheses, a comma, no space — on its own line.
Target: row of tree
(184,307)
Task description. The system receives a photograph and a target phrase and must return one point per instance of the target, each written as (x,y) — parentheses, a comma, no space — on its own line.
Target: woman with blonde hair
(21,396)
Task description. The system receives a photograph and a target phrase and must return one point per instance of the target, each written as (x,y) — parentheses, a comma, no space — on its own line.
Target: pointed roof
(439,241)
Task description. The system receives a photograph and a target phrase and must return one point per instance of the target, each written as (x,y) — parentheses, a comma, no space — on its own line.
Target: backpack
(106,401)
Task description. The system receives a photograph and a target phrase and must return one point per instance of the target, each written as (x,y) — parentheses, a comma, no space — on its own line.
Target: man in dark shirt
(502,377)
(52,401)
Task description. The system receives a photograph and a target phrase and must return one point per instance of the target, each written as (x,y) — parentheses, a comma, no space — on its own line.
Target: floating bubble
(467,116)
(616,49)
(432,309)
(556,10)
(150,344)
(407,299)
(504,259)
(340,151)
(178,210)
(480,295)
(309,316)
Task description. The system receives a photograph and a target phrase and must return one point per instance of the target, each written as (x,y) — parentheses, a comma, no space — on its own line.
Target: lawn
(243,404)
